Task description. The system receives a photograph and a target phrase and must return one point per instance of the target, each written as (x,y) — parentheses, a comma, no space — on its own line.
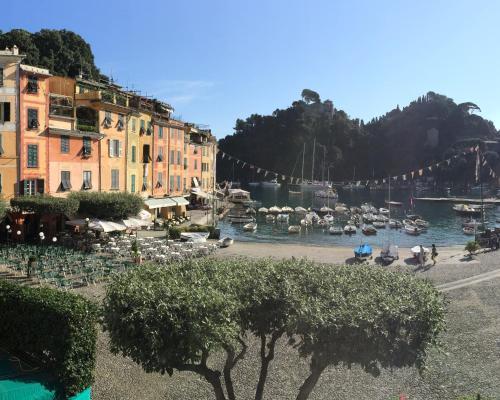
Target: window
(1,145)
(195,164)
(115,148)
(134,154)
(142,130)
(184,184)
(160,132)
(32,118)
(1,76)
(132,183)
(185,163)
(172,157)
(29,187)
(180,133)
(160,154)
(149,131)
(65,180)
(115,179)
(178,158)
(146,156)
(121,122)
(4,111)
(64,144)
(87,180)
(32,156)
(159,184)
(107,119)
(185,147)
(178,183)
(133,124)
(87,146)
(171,186)
(32,86)
(172,133)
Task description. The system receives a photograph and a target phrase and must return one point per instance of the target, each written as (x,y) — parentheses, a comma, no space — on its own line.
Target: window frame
(65,181)
(115,173)
(64,145)
(33,147)
(32,84)
(87,183)
(33,123)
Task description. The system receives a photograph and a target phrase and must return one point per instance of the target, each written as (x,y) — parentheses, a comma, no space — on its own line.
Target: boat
(395,224)
(300,210)
(465,209)
(225,242)
(329,218)
(253,184)
(472,223)
(282,218)
(251,203)
(273,183)
(421,223)
(269,218)
(469,230)
(412,230)
(238,196)
(409,222)
(240,219)
(305,222)
(250,211)
(250,227)
(394,203)
(350,229)
(294,229)
(287,210)
(389,253)
(369,230)
(413,217)
(341,209)
(369,218)
(312,216)
(194,237)
(322,223)
(326,194)
(326,209)
(294,192)
(363,252)
(378,224)
(335,230)
(382,210)
(275,210)
(263,210)
(355,210)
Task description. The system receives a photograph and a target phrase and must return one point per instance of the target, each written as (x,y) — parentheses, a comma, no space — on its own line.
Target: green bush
(45,204)
(56,327)
(472,246)
(107,205)
(3,208)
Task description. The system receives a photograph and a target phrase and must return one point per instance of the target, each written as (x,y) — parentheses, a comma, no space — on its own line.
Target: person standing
(434,254)
(421,256)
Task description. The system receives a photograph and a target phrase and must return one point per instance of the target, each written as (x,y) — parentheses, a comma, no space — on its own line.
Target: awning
(75,133)
(98,225)
(181,201)
(160,203)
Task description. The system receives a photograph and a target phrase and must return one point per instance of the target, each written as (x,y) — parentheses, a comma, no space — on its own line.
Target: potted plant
(136,253)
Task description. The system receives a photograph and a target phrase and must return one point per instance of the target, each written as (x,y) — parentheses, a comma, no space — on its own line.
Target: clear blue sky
(216,60)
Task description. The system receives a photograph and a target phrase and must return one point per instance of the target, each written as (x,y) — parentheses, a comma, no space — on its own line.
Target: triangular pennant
(265,173)
(229,157)
(258,170)
(376,182)
(395,178)
(358,183)
(448,161)
(412,174)
(283,177)
(237,162)
(404,177)
(429,168)
(485,162)
(244,164)
(420,172)
(383,180)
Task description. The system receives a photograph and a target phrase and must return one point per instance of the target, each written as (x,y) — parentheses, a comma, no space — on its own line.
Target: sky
(219,60)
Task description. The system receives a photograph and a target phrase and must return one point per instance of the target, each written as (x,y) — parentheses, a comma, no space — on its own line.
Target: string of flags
(480,162)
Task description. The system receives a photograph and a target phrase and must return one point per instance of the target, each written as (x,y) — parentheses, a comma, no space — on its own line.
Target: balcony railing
(107,97)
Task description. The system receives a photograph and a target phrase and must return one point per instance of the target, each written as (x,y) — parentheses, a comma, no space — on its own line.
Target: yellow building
(146,179)
(9,125)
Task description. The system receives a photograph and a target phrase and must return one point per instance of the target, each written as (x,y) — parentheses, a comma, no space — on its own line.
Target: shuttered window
(64,144)
(87,180)
(115,179)
(32,155)
(65,180)
(134,154)
(160,132)
(132,183)
(33,118)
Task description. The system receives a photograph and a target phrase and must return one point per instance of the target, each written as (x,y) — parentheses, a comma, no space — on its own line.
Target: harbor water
(445,225)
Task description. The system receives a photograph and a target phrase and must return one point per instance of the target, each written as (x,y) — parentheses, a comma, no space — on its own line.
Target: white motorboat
(305,222)
(194,237)
(225,242)
(294,229)
(341,209)
(275,210)
(412,230)
(240,219)
(383,210)
(369,230)
(326,194)
(326,209)
(263,210)
(322,223)
(270,218)
(300,210)
(421,223)
(395,224)
(282,218)
(287,210)
(329,218)
(350,229)
(467,230)
(379,224)
(465,209)
(312,216)
(335,230)
(250,227)
(472,223)
(273,183)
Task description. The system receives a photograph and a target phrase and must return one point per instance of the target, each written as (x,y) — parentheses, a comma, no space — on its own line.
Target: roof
(181,201)
(75,133)
(35,70)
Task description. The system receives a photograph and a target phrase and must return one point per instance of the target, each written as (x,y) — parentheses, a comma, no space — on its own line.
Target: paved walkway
(446,287)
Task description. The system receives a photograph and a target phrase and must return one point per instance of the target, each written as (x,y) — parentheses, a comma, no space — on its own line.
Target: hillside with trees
(427,130)
(63,52)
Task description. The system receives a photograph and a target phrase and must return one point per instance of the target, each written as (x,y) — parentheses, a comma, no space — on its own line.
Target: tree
(104,205)
(175,317)
(310,96)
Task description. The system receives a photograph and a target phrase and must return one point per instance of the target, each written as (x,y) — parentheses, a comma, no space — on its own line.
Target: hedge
(57,328)
(45,205)
(107,205)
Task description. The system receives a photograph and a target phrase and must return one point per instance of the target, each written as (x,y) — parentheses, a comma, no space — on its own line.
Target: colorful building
(9,103)
(73,154)
(33,127)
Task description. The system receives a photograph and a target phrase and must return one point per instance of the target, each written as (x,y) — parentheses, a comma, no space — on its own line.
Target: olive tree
(175,317)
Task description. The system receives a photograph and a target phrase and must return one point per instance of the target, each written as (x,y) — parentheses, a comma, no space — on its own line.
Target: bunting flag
(376,182)
(383,180)
(395,178)
(229,157)
(283,177)
(477,166)
(358,183)
(265,173)
(430,167)
(244,164)
(420,172)
(404,177)
(412,174)
(448,161)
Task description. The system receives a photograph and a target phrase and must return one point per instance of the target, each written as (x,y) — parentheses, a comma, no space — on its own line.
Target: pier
(490,200)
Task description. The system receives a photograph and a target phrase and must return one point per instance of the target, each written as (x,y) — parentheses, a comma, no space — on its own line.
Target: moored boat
(363,252)
(273,183)
(369,230)
(335,230)
(282,218)
(329,218)
(379,224)
(269,218)
(240,219)
(412,230)
(294,229)
(350,229)
(225,242)
(467,230)
(263,210)
(383,210)
(250,227)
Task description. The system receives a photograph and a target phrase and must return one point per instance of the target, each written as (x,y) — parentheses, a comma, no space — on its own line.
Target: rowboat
(379,224)
(294,229)
(412,230)
(349,229)
(363,252)
(225,242)
(335,230)
(395,224)
(325,209)
(250,227)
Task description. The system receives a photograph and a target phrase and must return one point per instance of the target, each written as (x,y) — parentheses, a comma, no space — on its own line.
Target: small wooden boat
(282,218)
(383,210)
(269,218)
(350,229)
(395,224)
(250,227)
(369,230)
(294,229)
(335,230)
(412,230)
(225,242)
(466,209)
(305,222)
(469,230)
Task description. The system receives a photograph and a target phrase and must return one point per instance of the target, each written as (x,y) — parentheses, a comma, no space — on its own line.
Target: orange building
(176,182)
(9,138)
(73,154)
(160,149)
(33,124)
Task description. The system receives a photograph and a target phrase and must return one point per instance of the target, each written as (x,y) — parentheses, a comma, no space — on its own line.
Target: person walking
(434,254)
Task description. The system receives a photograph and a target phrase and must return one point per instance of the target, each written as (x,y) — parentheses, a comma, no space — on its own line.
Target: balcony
(61,106)
(86,125)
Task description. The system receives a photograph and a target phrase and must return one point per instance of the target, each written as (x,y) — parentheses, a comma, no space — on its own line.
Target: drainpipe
(18,127)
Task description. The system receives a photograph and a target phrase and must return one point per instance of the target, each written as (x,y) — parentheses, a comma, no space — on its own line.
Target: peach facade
(160,160)
(177,179)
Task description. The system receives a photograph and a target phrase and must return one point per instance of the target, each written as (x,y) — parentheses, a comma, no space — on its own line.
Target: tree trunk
(310,382)
(227,374)
(265,360)
(214,379)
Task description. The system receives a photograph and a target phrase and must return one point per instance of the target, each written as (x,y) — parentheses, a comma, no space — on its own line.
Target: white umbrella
(416,250)
(275,209)
(300,210)
(287,209)
(144,215)
(263,210)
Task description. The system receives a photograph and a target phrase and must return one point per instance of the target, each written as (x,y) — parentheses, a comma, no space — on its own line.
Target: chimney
(15,50)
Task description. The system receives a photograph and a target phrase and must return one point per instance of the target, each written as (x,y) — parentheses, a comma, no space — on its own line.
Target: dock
(490,200)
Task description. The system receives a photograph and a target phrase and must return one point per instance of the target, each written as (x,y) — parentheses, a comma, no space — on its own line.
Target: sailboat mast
(323,170)
(389,201)
(312,166)
(303,157)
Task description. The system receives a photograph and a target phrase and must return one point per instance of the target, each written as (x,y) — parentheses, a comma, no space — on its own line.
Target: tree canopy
(63,52)
(175,317)
(402,140)
(112,205)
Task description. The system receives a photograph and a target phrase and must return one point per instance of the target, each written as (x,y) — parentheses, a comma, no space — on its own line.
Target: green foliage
(3,208)
(397,142)
(472,246)
(310,96)
(175,231)
(173,317)
(114,205)
(56,327)
(61,51)
(45,204)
